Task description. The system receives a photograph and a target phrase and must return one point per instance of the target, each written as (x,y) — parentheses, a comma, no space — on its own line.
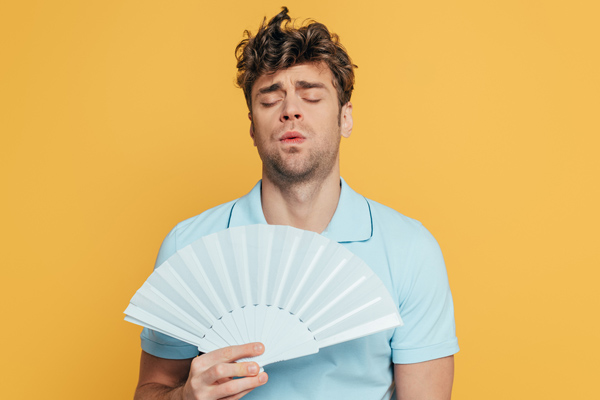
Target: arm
(206,377)
(429,380)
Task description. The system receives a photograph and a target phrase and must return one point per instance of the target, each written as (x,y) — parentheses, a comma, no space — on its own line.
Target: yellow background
(479,118)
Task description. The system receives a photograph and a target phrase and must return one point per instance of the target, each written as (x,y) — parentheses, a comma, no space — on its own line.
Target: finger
(229,354)
(237,396)
(237,388)
(220,373)
(223,380)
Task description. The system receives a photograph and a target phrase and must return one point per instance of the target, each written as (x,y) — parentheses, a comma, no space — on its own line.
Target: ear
(346,120)
(252,129)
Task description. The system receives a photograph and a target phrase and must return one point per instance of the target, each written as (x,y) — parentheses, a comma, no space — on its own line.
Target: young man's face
(297,124)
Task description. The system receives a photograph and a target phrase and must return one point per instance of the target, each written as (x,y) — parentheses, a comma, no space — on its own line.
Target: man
(298,83)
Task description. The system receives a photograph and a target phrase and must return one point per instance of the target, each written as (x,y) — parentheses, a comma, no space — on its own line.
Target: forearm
(157,391)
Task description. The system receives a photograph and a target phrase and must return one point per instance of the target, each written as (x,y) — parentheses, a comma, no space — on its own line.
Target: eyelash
(267,105)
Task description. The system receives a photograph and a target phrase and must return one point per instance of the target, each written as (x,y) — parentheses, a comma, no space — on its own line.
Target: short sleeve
(156,343)
(425,305)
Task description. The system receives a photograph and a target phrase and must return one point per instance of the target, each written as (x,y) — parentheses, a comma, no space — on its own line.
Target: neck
(305,205)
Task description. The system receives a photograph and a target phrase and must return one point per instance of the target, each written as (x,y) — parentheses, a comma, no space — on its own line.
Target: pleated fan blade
(293,290)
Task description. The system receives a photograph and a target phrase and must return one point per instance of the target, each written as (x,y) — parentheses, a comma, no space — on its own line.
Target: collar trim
(351,222)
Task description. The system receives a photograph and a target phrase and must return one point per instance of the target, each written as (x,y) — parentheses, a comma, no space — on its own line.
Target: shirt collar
(351,222)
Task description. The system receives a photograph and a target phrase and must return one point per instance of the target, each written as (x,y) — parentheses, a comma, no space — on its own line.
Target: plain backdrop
(119,119)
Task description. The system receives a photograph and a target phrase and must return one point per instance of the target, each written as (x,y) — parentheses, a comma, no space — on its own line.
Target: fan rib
(263,267)
(304,279)
(232,328)
(317,292)
(220,333)
(336,300)
(188,318)
(285,337)
(286,270)
(289,334)
(296,291)
(244,263)
(270,318)
(250,317)
(261,317)
(205,312)
(241,323)
(385,322)
(160,325)
(348,315)
(212,243)
(204,279)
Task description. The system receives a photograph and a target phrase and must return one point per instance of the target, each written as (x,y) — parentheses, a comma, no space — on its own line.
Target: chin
(294,176)
(299,175)
(298,169)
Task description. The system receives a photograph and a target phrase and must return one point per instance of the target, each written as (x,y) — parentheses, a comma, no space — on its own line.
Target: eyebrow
(300,84)
(270,89)
(309,85)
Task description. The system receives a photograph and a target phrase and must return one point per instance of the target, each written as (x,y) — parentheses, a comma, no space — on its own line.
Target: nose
(291,110)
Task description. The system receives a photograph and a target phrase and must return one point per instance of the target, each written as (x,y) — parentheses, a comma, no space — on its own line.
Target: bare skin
(429,380)
(207,377)
(301,175)
(310,204)
(296,125)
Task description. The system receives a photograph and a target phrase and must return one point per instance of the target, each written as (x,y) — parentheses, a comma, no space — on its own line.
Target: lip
(292,137)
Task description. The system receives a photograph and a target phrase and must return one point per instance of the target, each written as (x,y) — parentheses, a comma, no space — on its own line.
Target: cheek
(263,122)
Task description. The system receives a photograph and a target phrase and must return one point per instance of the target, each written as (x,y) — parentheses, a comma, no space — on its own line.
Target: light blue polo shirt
(400,251)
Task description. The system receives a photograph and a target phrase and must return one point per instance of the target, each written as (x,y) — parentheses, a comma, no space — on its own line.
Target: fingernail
(252,369)
(262,378)
(258,347)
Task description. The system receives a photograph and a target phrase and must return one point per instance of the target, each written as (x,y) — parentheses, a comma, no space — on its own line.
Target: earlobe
(347,121)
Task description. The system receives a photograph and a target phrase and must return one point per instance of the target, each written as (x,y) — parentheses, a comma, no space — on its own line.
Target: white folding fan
(293,290)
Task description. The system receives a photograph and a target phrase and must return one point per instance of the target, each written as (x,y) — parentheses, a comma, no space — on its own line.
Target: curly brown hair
(279,45)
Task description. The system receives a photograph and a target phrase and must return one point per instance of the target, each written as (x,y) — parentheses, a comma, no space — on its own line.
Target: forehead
(302,72)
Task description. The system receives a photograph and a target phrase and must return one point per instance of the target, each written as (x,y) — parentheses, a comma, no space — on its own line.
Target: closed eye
(268,104)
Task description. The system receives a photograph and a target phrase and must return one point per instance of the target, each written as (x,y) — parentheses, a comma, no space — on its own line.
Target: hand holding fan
(293,290)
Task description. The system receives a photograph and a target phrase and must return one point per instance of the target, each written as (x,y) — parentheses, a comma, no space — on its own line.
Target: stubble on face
(293,168)
(311,110)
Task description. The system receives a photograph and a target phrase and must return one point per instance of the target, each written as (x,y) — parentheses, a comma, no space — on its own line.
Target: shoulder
(410,249)
(395,226)
(210,221)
